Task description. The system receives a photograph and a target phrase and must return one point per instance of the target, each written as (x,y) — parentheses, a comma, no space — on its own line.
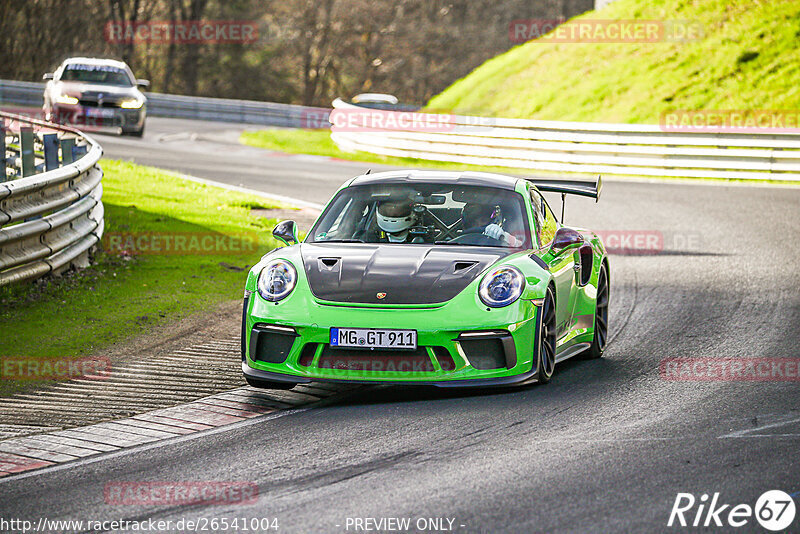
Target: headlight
(501,286)
(66,99)
(133,103)
(276,281)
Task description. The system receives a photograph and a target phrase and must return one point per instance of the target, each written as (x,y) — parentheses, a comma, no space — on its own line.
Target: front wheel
(547,339)
(600,317)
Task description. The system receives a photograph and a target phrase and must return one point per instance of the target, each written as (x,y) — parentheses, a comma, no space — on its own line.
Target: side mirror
(144,84)
(565,239)
(47,76)
(286,231)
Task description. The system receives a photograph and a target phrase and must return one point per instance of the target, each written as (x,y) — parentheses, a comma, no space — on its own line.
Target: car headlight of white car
(132,103)
(66,99)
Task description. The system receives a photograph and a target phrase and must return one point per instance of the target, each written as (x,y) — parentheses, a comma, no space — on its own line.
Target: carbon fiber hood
(404,274)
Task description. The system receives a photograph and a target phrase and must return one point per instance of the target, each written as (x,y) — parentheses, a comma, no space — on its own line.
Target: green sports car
(428,277)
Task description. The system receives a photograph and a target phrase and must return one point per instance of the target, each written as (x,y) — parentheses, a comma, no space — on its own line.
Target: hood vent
(460,267)
(328,264)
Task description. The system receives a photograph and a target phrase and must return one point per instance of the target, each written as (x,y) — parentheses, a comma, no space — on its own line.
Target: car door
(561,266)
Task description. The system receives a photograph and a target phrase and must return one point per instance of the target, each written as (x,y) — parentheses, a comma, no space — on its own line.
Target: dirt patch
(173,363)
(220,323)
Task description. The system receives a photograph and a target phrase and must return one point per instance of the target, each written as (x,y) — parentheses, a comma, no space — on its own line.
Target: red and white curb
(42,450)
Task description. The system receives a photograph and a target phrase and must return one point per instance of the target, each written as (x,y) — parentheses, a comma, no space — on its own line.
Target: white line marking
(748,432)
(763,436)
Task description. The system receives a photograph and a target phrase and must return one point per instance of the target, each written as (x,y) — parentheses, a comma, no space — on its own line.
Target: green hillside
(747,58)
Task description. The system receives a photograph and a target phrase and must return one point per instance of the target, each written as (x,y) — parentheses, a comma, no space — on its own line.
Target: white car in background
(96,93)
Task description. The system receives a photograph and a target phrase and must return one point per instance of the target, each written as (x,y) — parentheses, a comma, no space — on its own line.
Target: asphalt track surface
(605,447)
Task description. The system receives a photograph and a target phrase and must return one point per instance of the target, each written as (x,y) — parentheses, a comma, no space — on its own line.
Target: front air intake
(485,353)
(491,349)
(271,344)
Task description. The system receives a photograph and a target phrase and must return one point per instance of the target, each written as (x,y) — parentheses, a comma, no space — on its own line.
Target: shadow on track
(571,372)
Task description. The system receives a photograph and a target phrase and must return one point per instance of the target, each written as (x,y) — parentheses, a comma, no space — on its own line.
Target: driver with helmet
(484,218)
(395,217)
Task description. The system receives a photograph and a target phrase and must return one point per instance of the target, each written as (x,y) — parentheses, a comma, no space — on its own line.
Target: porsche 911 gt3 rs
(428,277)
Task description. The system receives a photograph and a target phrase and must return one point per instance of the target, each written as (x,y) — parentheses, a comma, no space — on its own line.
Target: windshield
(103,74)
(441,214)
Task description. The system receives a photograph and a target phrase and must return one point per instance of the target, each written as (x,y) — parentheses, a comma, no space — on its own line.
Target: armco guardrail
(596,148)
(51,213)
(30,94)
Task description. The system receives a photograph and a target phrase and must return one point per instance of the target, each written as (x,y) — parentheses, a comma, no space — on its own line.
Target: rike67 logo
(774,510)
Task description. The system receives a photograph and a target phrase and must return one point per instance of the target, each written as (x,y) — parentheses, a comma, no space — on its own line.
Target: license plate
(373,338)
(100,113)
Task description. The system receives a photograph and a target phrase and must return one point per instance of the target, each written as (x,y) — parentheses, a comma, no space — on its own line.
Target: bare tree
(321,49)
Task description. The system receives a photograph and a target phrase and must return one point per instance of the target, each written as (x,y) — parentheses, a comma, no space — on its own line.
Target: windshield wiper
(340,241)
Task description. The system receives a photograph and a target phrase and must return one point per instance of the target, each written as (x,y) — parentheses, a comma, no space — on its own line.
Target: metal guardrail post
(2,150)
(26,154)
(50,142)
(49,220)
(78,152)
(67,147)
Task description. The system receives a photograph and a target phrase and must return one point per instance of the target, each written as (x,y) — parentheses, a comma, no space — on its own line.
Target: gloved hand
(496,232)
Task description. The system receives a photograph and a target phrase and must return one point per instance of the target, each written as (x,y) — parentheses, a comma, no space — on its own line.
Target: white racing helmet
(395,216)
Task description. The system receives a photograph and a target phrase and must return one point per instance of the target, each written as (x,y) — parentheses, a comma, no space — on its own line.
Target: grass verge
(744,59)
(124,295)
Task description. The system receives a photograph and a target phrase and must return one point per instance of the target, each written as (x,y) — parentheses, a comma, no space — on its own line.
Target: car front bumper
(95,118)
(457,346)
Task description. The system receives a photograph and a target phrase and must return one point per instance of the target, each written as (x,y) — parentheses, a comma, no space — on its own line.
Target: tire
(265,384)
(600,317)
(547,339)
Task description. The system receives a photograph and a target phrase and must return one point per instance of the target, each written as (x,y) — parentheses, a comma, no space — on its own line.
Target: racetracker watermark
(604,31)
(405,366)
(163,493)
(368,120)
(731,121)
(179,243)
(730,369)
(774,510)
(76,118)
(43,368)
(649,242)
(644,242)
(181,32)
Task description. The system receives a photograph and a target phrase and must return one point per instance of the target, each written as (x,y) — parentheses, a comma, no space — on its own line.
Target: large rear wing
(569,187)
